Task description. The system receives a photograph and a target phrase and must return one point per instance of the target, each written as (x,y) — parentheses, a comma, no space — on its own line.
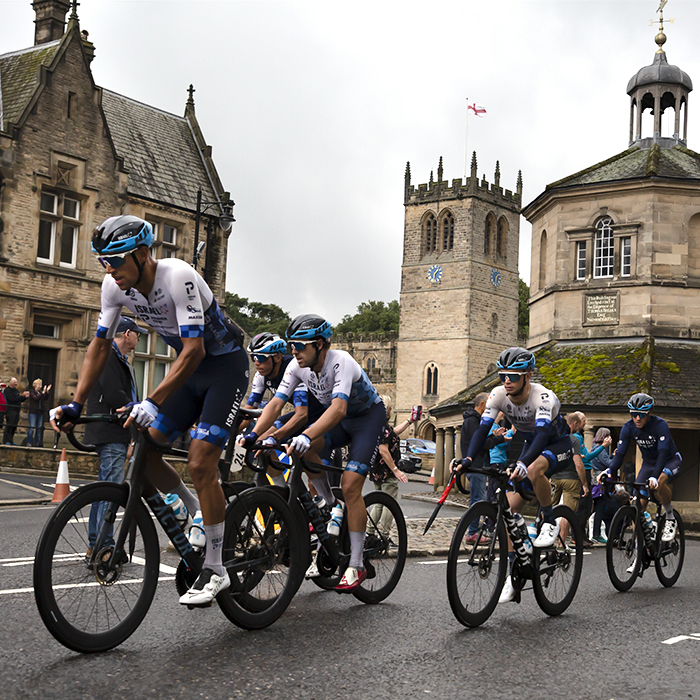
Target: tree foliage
(255,317)
(523,310)
(371,317)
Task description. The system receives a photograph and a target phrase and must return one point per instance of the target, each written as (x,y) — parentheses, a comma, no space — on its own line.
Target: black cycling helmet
(121,234)
(266,344)
(518,359)
(640,402)
(309,327)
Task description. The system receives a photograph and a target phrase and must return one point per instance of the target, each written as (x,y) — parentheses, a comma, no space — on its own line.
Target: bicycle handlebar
(501,475)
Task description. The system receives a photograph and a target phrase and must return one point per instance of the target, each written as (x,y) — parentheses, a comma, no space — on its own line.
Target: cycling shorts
(362,434)
(212,395)
(671,468)
(559,455)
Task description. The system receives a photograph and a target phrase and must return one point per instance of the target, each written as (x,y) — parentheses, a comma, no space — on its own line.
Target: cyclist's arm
(181,370)
(269,415)
(300,417)
(328,420)
(476,444)
(537,445)
(663,452)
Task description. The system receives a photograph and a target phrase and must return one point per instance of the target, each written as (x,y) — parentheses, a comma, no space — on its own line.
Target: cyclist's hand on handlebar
(653,482)
(61,417)
(300,444)
(518,472)
(604,476)
(143,414)
(457,464)
(248,439)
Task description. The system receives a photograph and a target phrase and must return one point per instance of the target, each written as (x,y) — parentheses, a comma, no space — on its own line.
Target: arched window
(431,379)
(604,249)
(430,233)
(489,234)
(370,362)
(494,324)
(448,231)
(543,260)
(502,238)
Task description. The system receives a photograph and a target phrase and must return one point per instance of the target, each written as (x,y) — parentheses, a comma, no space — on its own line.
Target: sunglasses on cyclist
(512,377)
(299,345)
(114,261)
(639,414)
(261,358)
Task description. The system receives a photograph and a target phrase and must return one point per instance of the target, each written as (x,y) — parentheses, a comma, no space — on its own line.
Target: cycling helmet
(266,344)
(518,359)
(309,327)
(640,402)
(121,234)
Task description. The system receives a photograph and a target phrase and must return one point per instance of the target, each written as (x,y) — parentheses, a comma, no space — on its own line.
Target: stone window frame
(58,225)
(163,247)
(370,361)
(429,233)
(620,232)
(431,376)
(153,358)
(447,231)
(490,233)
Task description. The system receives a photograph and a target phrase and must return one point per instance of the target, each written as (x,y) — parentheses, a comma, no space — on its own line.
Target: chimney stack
(50,20)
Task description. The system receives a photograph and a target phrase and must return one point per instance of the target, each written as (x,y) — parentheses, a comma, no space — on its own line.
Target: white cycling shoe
(508,592)
(630,569)
(548,535)
(207,586)
(312,571)
(669,531)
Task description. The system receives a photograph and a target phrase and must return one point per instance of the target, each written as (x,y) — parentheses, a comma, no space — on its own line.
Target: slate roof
(606,374)
(159,151)
(19,78)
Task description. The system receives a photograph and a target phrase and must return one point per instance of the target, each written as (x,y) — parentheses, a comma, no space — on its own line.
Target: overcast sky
(313,109)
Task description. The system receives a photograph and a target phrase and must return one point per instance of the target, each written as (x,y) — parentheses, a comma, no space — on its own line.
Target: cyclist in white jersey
(354,414)
(205,383)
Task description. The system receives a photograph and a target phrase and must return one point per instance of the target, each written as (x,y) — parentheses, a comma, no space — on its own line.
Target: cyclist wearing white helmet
(661,460)
(205,383)
(354,415)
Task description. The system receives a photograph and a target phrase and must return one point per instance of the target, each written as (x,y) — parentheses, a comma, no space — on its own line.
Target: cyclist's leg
(540,483)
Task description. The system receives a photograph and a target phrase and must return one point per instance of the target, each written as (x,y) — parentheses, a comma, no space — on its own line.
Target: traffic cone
(62,488)
(432,477)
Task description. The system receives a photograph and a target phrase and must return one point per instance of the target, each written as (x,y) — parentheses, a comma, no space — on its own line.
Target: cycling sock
(548,514)
(668,511)
(215,543)
(357,545)
(323,489)
(188,498)
(278,480)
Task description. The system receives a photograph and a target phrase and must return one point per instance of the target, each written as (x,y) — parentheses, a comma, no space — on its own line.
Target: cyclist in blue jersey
(204,385)
(661,460)
(353,415)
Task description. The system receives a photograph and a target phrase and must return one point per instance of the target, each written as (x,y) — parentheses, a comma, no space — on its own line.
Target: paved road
(330,646)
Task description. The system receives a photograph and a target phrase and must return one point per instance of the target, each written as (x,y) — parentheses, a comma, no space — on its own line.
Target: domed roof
(659,72)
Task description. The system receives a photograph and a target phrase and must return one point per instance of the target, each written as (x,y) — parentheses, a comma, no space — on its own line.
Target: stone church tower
(459,285)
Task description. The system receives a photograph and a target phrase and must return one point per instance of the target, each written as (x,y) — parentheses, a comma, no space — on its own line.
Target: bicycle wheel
(669,560)
(385,549)
(476,568)
(87,606)
(263,554)
(625,542)
(557,569)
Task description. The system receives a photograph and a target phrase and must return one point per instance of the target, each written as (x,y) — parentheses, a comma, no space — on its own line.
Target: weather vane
(661,37)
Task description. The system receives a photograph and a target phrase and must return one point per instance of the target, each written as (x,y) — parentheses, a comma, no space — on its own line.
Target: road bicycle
(477,566)
(631,534)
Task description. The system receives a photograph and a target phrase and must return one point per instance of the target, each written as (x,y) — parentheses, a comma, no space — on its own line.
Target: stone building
(615,276)
(376,354)
(459,285)
(71,155)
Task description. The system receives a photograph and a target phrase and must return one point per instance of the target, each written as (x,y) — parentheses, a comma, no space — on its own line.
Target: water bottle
(532,530)
(323,508)
(519,523)
(648,527)
(179,509)
(336,519)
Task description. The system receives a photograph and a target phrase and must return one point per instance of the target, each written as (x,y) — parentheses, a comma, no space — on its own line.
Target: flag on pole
(478,109)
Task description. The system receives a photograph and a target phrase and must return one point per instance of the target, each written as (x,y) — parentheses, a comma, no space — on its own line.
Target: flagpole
(466,128)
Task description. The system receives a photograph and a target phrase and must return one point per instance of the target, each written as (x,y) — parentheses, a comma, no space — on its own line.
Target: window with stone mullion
(603,257)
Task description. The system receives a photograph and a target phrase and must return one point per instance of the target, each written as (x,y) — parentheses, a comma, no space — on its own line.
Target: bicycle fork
(319,525)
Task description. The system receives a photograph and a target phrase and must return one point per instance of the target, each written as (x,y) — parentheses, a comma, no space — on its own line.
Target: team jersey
(654,441)
(180,305)
(340,378)
(262,384)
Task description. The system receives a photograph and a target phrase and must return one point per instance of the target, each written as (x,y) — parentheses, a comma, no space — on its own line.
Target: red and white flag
(478,109)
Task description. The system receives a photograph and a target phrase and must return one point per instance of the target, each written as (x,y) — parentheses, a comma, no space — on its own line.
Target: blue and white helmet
(266,344)
(640,402)
(517,359)
(121,234)
(309,327)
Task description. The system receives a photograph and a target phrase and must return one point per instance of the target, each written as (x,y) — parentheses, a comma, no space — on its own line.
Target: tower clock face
(435,273)
(495,277)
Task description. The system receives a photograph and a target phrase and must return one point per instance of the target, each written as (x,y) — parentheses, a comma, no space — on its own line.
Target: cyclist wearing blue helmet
(534,411)
(205,384)
(353,415)
(661,460)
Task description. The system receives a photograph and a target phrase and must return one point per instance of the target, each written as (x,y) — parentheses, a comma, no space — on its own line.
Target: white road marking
(77,556)
(11,591)
(29,488)
(682,637)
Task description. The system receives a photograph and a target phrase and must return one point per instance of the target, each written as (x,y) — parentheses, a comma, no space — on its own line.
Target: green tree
(255,317)
(523,310)
(371,317)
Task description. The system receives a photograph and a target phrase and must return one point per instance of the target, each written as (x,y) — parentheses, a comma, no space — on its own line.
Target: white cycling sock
(668,511)
(188,498)
(323,489)
(215,543)
(357,545)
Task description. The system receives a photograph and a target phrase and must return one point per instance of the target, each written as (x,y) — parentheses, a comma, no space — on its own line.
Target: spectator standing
(115,388)
(3,404)
(604,504)
(37,398)
(14,399)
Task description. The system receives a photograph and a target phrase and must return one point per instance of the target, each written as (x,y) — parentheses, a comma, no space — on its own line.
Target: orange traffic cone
(432,477)
(62,488)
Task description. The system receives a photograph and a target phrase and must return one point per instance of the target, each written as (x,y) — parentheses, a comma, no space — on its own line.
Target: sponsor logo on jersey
(192,310)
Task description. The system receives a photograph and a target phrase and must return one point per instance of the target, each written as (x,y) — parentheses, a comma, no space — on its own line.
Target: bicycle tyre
(476,571)
(557,569)
(263,552)
(384,558)
(624,548)
(86,608)
(670,555)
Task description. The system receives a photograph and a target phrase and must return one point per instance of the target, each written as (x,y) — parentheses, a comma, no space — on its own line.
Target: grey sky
(313,109)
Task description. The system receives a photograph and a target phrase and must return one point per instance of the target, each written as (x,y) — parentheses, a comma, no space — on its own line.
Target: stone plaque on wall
(601,309)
